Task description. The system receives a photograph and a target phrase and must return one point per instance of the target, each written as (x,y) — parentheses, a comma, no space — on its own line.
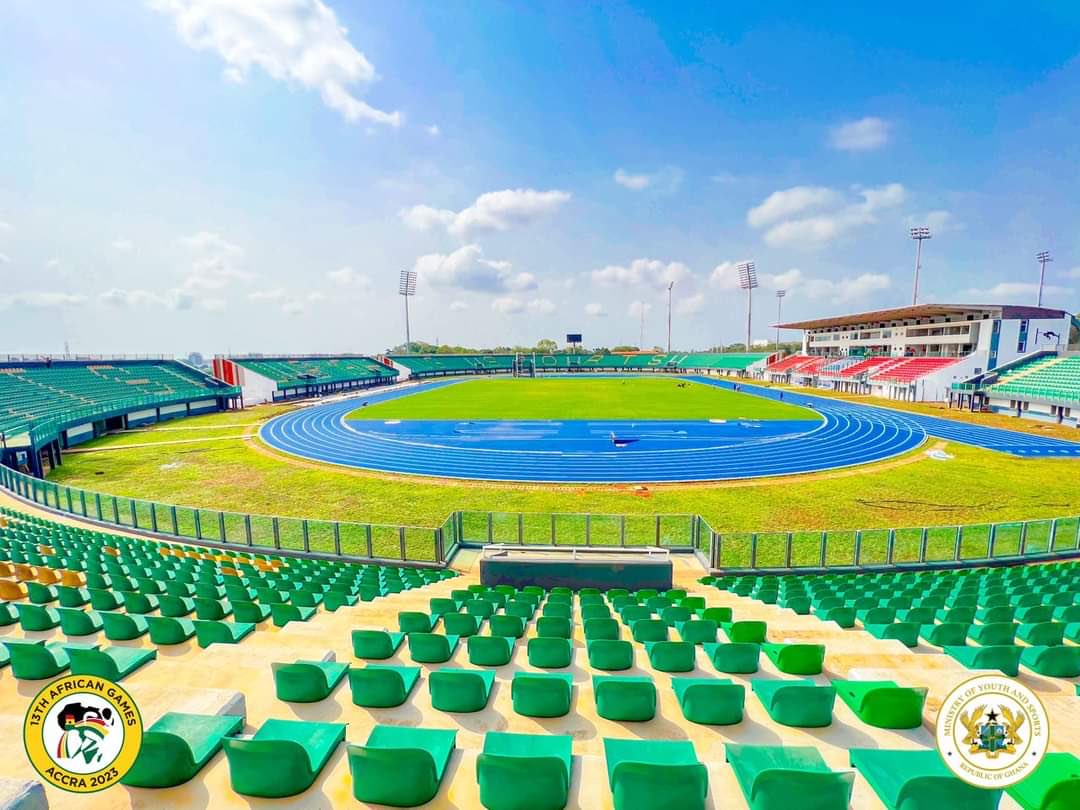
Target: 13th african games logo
(992,731)
(82,733)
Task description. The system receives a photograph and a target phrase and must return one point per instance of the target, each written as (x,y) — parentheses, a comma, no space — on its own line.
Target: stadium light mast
(779,308)
(918,234)
(669,286)
(748,281)
(407,289)
(1043,257)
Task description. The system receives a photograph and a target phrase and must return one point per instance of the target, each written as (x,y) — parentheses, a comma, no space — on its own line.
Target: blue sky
(251,175)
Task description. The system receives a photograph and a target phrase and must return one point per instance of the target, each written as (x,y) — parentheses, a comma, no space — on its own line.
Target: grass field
(633,398)
(241,475)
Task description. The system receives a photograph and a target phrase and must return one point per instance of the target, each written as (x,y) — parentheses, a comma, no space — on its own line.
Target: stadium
(837,572)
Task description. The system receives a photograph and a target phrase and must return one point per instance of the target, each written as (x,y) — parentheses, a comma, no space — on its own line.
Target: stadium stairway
(240,679)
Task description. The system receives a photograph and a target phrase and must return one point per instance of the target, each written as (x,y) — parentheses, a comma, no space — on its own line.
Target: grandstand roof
(925,311)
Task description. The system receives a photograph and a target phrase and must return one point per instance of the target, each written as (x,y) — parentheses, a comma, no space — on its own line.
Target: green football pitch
(604,398)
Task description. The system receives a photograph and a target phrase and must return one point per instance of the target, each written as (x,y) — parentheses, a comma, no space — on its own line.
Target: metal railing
(795,551)
(329,538)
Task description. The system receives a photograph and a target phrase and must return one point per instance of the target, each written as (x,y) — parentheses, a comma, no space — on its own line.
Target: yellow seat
(24,572)
(72,579)
(112,552)
(48,551)
(48,576)
(7,569)
(12,591)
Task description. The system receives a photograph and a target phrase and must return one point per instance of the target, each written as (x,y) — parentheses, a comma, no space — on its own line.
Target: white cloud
(6,226)
(5,259)
(863,135)
(213,304)
(276,294)
(507,305)
(458,306)
(292,308)
(637,308)
(176,298)
(42,299)
(432,130)
(348,277)
(215,261)
(493,211)
(52,264)
(123,245)
(1015,292)
(668,178)
(595,310)
(299,42)
(467,269)
(724,178)
(786,202)
(316,297)
(641,272)
(691,304)
(541,306)
(837,291)
(819,229)
(725,276)
(937,221)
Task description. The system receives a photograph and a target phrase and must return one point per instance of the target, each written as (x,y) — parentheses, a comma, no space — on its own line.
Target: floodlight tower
(1043,257)
(779,307)
(748,281)
(669,286)
(918,234)
(407,289)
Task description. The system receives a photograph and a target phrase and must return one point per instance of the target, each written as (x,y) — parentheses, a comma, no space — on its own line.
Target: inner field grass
(598,398)
(976,486)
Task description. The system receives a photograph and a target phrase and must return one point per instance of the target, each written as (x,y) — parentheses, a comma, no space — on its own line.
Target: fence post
(957,543)
(924,541)
(221,526)
(367,534)
(175,523)
(824,543)
(82,501)
(1076,545)
(753,550)
(439,551)
(622,530)
(491,527)
(588,530)
(116,512)
(337,538)
(657,531)
(153,517)
(134,513)
(714,550)
(1023,538)
(991,541)
(1053,535)
(67,492)
(97,504)
(274,523)
(554,540)
(247,528)
(304,532)
(890,547)
(521,528)
(401,541)
(787,551)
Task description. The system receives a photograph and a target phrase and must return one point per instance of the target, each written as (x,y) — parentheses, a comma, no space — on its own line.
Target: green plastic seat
(378,686)
(995,614)
(550,653)
(698,631)
(141,603)
(624,698)
(36,660)
(460,690)
(1035,614)
(413,621)
(796,659)
(601,629)
(481,608)
(283,758)
(72,596)
(918,780)
(307,681)
(333,600)
(207,633)
(672,656)
(440,606)
(734,658)
(524,771)
(1042,634)
(710,701)
(635,613)
(376,645)
(780,777)
(503,625)
(907,633)
(750,632)
(37,617)
(165,630)
(650,774)
(883,704)
(41,594)
(646,630)
(431,648)
(111,663)
(490,651)
(919,615)
(251,612)
(1056,661)
(1002,657)
(122,627)
(520,609)
(178,746)
(400,766)
(461,625)
(801,703)
(176,607)
(610,655)
(78,622)
(1054,785)
(949,634)
(282,613)
(541,694)
(560,610)
(993,634)
(596,611)
(876,615)
(554,627)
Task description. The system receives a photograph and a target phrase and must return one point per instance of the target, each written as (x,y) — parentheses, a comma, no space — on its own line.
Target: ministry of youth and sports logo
(992,731)
(82,734)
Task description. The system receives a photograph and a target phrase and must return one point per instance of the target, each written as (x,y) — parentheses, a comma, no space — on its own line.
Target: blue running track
(575,451)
